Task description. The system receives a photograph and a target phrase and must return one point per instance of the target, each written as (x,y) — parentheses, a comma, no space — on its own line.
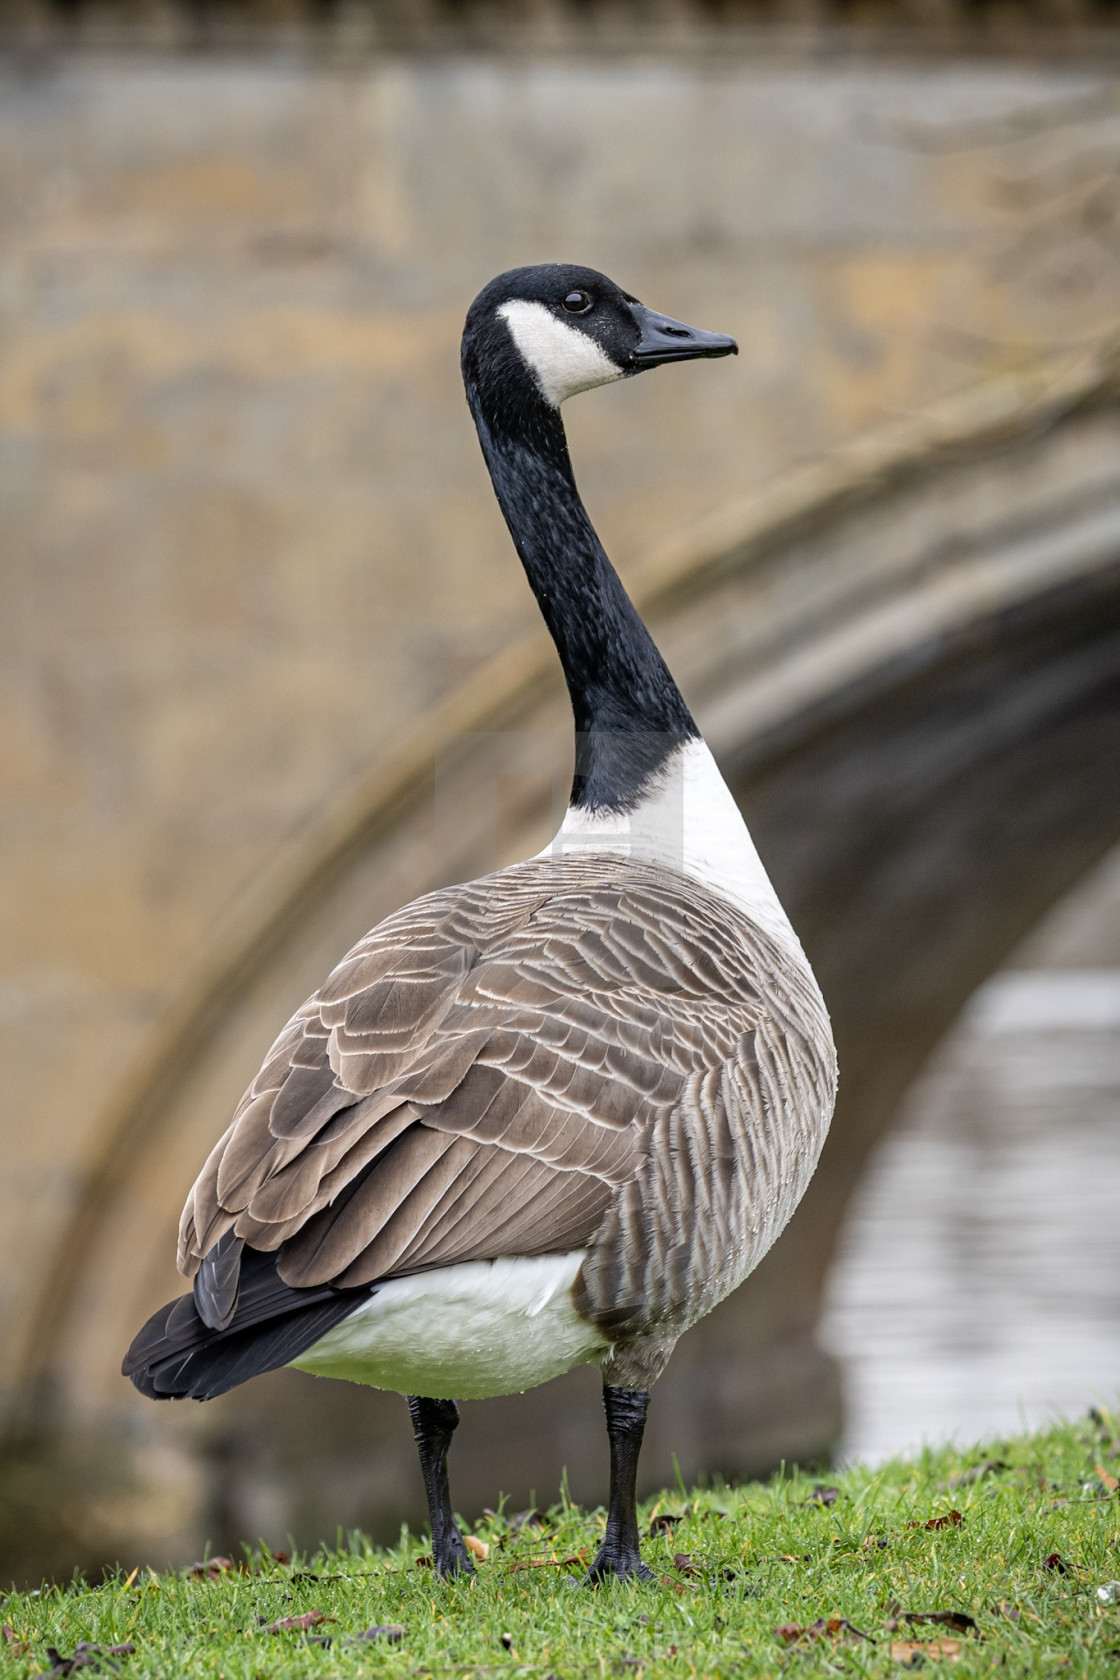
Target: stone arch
(907,657)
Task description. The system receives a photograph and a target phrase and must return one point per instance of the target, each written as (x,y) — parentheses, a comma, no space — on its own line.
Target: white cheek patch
(561,359)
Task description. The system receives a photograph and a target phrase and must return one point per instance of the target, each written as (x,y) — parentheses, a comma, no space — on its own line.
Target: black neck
(629,714)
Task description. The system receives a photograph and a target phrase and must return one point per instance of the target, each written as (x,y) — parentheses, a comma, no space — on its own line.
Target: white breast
(464,1332)
(689,822)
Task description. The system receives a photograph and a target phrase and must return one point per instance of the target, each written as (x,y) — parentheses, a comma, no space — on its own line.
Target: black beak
(666,340)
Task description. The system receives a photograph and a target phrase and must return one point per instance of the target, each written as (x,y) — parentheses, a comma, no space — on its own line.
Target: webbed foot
(613,1562)
(451,1556)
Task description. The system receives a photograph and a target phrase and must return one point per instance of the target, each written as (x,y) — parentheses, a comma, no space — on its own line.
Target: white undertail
(464,1332)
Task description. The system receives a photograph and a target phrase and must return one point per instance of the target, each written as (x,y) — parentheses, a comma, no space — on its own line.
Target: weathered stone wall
(248,536)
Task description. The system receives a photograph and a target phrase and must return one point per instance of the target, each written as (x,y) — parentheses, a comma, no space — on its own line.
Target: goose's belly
(463,1332)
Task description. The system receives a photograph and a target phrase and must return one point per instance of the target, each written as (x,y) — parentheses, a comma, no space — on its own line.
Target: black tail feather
(217,1283)
(176,1356)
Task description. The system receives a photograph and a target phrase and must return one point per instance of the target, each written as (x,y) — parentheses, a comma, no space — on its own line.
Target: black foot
(618,1566)
(619,1555)
(452,1558)
(434,1422)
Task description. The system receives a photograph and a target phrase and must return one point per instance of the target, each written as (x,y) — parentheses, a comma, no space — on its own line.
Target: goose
(552,1116)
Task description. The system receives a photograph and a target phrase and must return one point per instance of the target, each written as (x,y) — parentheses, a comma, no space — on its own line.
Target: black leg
(626,1421)
(433,1423)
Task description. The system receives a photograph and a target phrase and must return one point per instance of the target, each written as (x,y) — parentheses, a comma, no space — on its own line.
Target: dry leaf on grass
(97,1657)
(212,1569)
(912,1652)
(477,1548)
(964,1478)
(532,1518)
(699,1567)
(575,1558)
(951,1519)
(1056,1563)
(663,1523)
(825,1627)
(298,1624)
(1108,1482)
(955,1619)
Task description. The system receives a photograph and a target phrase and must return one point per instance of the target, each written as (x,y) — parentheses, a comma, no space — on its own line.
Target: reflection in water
(978,1285)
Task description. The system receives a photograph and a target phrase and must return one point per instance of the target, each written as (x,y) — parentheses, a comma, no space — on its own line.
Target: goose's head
(571,329)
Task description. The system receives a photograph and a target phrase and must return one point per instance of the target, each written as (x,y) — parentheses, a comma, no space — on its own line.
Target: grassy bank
(1010,1546)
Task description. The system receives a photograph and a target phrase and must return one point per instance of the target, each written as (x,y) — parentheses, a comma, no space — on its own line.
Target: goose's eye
(577,303)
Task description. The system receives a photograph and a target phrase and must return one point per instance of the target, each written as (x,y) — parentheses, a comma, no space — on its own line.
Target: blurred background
(270,668)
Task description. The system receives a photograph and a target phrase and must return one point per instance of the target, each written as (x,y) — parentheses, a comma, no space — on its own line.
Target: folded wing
(478,1077)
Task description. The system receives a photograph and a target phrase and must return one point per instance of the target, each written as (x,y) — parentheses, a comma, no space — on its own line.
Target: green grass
(757,1557)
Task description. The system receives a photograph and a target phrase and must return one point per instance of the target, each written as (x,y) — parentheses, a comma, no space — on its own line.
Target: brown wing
(480,1076)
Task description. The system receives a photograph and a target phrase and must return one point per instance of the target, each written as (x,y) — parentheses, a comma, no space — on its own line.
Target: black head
(571,328)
